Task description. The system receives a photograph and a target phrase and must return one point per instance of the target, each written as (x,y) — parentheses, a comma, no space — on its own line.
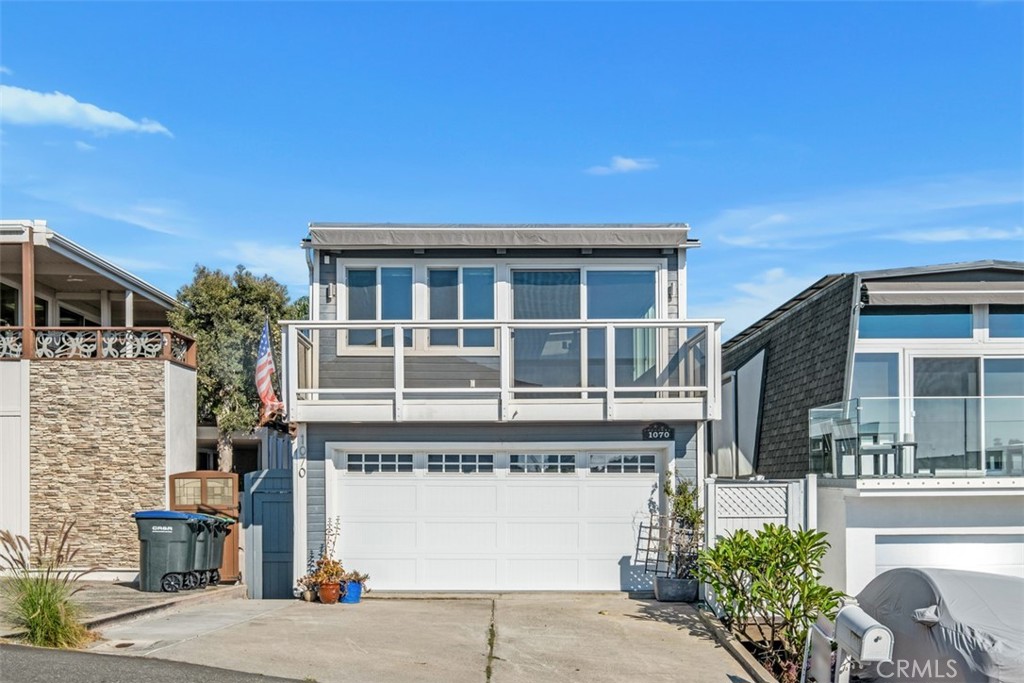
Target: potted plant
(355,586)
(681,537)
(307,583)
(328,572)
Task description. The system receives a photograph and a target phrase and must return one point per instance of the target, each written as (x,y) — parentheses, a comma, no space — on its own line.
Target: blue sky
(797,139)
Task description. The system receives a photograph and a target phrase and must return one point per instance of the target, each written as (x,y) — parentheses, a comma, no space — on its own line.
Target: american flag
(264,370)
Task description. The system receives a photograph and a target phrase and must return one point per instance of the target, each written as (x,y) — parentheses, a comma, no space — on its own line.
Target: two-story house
(494,407)
(903,390)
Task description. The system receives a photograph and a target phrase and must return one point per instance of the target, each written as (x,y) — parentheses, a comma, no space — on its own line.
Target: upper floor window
(465,293)
(1006,320)
(916,322)
(379,294)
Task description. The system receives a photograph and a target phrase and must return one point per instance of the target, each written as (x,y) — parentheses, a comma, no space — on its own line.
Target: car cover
(948,625)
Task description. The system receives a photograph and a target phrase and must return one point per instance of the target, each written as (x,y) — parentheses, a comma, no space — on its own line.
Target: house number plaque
(659,431)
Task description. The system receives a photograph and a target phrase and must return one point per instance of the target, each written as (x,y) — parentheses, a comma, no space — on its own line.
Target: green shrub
(37,587)
(768,586)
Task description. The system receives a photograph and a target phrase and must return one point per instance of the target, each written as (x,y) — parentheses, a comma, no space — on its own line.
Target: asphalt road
(19,664)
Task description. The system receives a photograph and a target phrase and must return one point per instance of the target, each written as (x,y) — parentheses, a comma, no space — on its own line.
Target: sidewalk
(105,602)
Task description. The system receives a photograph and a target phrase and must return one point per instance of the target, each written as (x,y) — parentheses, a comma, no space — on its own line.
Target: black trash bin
(166,549)
(205,527)
(222,526)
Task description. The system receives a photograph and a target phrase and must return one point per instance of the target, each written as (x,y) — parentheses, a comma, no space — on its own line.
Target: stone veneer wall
(96,452)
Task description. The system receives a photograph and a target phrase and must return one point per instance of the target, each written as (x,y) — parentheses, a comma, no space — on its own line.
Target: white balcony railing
(501,371)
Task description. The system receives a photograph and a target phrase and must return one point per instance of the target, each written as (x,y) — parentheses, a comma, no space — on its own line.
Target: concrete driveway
(481,639)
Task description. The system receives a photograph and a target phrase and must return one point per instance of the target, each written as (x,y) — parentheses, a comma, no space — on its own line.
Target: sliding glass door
(546,357)
(622,294)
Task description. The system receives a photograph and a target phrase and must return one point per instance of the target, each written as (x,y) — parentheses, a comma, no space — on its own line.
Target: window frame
(503,304)
(459,347)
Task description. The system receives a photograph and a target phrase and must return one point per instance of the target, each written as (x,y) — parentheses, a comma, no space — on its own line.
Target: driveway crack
(492,635)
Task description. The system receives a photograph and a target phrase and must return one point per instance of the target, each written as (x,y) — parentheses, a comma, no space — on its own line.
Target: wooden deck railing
(97,343)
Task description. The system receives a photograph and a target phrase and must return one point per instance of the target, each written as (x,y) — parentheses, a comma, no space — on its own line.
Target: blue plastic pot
(353,592)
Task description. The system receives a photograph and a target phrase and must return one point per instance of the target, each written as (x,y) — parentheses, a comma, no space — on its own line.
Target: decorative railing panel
(10,342)
(96,343)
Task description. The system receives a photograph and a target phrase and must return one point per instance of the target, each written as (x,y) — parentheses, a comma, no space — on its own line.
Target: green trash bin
(199,577)
(166,549)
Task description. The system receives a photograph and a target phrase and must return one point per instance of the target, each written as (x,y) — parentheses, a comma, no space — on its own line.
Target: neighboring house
(97,395)
(904,390)
(495,446)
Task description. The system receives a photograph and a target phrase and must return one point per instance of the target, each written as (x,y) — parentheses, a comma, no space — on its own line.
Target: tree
(225,314)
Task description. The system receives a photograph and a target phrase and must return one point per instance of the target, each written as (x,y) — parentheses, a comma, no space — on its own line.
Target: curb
(735,648)
(91,623)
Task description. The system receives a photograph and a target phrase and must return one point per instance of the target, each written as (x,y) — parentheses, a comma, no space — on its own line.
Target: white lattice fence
(749,505)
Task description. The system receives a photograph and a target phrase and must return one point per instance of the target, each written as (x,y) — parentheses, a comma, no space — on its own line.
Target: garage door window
(607,463)
(542,463)
(368,463)
(462,463)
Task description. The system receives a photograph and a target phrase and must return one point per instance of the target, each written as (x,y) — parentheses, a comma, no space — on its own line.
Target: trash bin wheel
(204,579)
(171,583)
(215,577)
(191,580)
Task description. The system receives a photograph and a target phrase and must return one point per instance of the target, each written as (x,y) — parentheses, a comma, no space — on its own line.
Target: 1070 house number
(658,432)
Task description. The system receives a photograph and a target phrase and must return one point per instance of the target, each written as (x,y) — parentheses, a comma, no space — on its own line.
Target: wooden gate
(211,493)
(267,519)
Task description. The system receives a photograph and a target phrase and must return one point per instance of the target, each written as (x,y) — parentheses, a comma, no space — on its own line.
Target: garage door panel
(463,574)
(551,573)
(452,536)
(376,536)
(375,497)
(386,573)
(619,572)
(543,499)
(471,499)
(616,497)
(543,537)
(610,537)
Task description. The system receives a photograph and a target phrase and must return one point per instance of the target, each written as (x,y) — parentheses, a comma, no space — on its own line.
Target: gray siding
(806,352)
(421,372)
(317,435)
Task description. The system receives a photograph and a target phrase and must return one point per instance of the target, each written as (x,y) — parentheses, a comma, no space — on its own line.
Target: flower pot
(329,593)
(308,595)
(353,592)
(675,590)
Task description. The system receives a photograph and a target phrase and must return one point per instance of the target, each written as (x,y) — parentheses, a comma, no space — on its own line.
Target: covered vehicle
(948,625)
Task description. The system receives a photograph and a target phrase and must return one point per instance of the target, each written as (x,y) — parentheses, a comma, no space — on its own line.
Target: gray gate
(267,520)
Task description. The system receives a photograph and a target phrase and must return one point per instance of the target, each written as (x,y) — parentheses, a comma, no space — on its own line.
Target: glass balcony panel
(546,358)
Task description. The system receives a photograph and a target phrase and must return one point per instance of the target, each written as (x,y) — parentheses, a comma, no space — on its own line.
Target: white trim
(300,476)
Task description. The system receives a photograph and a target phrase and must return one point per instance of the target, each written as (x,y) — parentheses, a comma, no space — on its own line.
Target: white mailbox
(862,637)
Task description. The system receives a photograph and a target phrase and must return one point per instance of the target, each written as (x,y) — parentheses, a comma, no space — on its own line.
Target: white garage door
(993,553)
(493,520)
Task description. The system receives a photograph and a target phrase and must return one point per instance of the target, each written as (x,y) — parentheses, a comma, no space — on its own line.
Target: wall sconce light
(332,291)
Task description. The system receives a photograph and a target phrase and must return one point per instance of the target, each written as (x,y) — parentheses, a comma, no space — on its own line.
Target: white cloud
(5,71)
(964,234)
(283,262)
(29,107)
(909,208)
(751,299)
(84,146)
(623,165)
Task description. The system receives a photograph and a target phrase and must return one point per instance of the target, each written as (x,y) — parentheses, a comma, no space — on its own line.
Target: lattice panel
(750,501)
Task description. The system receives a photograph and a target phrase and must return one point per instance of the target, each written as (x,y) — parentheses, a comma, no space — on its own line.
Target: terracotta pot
(329,593)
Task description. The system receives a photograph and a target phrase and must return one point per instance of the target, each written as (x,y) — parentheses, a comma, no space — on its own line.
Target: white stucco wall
(180,414)
(958,528)
(14,463)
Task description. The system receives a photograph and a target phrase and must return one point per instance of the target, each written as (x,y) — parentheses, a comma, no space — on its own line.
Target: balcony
(501,371)
(97,343)
(965,436)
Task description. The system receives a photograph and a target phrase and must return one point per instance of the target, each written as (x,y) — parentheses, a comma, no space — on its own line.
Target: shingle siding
(806,353)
